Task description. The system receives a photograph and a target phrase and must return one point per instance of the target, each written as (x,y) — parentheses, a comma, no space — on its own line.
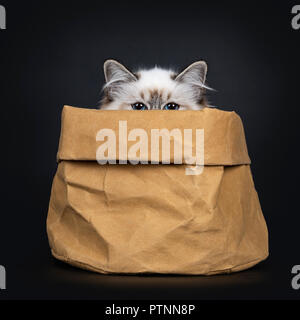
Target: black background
(52,54)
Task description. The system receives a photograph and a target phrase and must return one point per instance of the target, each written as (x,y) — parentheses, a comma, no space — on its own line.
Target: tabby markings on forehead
(155,100)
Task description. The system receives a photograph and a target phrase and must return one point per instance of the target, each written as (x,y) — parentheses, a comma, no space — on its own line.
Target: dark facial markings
(155,100)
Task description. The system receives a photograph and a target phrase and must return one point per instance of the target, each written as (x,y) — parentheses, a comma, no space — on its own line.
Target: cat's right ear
(115,72)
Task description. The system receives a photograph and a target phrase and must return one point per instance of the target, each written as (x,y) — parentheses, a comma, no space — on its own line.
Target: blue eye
(139,106)
(171,106)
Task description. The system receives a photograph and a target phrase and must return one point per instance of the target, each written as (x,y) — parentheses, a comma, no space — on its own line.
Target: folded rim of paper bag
(224,138)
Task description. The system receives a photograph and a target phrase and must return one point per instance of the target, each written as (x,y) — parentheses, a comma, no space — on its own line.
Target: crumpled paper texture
(154,218)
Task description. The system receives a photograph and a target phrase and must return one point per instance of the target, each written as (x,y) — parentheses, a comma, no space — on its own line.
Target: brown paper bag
(155,218)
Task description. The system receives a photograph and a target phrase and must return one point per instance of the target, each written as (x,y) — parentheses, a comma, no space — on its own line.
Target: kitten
(154,89)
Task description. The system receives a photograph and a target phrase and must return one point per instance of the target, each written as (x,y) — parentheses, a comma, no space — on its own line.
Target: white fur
(125,89)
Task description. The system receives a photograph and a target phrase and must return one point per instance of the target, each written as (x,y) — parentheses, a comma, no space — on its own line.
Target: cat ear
(115,72)
(195,74)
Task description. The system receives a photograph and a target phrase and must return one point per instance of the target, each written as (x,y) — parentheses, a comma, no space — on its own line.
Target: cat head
(154,89)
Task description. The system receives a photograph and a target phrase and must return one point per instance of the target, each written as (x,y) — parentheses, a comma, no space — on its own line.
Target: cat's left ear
(195,74)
